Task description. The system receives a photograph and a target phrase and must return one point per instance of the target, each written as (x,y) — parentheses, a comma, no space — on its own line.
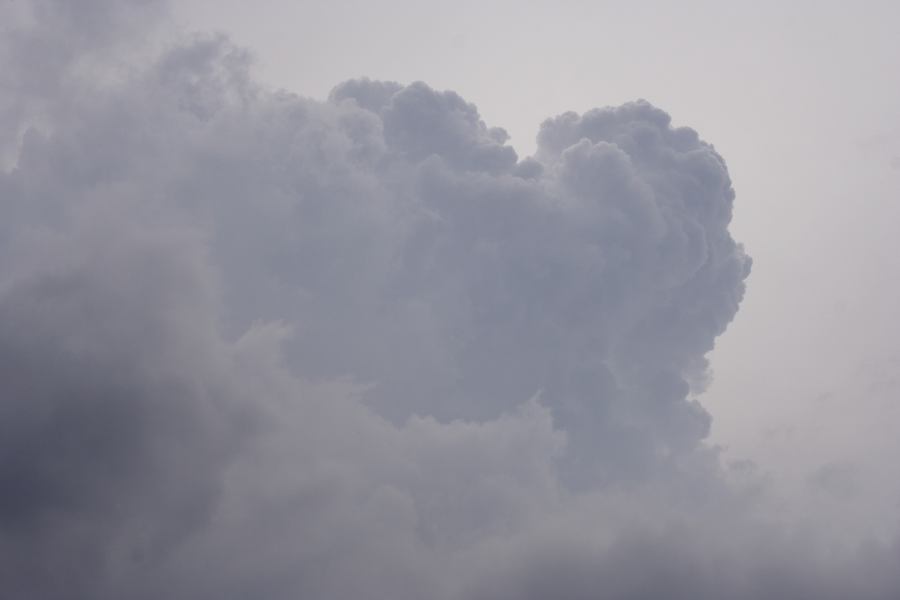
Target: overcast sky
(801,98)
(462,301)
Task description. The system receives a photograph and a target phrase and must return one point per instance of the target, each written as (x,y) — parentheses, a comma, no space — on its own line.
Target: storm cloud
(259,345)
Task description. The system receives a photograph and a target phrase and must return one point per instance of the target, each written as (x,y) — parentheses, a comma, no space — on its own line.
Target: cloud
(260,345)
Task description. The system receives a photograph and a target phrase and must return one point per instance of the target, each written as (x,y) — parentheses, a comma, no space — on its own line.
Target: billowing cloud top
(256,345)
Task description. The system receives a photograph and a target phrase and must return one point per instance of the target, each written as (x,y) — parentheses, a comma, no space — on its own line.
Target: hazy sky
(457,301)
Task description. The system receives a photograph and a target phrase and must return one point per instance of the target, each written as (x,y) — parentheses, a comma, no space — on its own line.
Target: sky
(799,97)
(449,300)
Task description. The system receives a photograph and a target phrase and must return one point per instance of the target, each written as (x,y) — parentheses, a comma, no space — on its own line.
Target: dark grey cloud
(257,345)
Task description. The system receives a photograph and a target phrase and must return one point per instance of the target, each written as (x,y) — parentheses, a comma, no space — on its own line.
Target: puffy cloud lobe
(593,257)
(260,345)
